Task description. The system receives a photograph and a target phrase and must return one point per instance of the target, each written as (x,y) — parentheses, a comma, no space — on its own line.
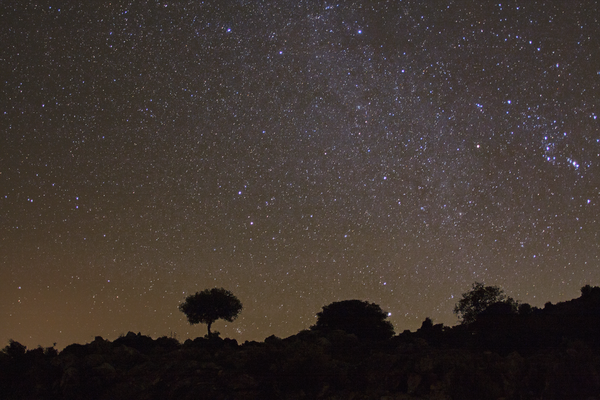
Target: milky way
(295,153)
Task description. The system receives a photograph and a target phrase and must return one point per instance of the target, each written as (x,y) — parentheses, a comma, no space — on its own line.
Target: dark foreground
(550,353)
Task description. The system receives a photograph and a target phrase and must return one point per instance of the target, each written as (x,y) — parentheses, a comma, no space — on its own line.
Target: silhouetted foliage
(525,309)
(478,299)
(141,343)
(589,292)
(427,324)
(499,308)
(210,305)
(363,319)
(14,349)
(550,353)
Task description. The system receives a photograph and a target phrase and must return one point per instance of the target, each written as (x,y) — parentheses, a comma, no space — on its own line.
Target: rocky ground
(308,365)
(549,353)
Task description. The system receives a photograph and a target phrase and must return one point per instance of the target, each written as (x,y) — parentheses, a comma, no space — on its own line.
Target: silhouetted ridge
(508,350)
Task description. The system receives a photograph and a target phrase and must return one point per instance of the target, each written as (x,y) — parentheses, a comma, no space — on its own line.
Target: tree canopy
(210,305)
(480,298)
(365,320)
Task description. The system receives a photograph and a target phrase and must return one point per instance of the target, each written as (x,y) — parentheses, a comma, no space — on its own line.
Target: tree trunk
(209,324)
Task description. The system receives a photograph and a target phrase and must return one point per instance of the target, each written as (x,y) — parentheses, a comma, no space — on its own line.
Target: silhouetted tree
(478,299)
(427,324)
(365,320)
(589,292)
(525,309)
(14,349)
(210,305)
(586,290)
(500,308)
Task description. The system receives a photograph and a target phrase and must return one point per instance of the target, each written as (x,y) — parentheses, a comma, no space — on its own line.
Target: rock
(99,345)
(70,377)
(414,380)
(106,370)
(94,360)
(244,382)
(65,361)
(209,365)
(273,340)
(76,349)
(425,364)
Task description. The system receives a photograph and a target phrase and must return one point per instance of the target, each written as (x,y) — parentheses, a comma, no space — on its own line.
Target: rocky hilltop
(549,353)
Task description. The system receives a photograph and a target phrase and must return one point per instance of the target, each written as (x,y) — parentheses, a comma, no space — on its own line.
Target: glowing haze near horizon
(295,153)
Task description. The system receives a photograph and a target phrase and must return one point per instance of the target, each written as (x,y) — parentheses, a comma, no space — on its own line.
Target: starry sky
(296,153)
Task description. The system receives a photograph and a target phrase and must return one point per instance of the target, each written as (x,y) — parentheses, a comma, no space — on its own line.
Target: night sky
(296,153)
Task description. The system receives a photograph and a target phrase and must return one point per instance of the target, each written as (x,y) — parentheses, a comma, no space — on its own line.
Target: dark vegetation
(506,351)
(365,320)
(210,305)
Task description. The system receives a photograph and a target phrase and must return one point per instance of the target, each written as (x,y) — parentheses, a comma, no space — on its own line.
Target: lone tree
(480,298)
(210,305)
(365,320)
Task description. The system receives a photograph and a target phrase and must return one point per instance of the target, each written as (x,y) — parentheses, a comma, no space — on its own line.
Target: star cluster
(295,153)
